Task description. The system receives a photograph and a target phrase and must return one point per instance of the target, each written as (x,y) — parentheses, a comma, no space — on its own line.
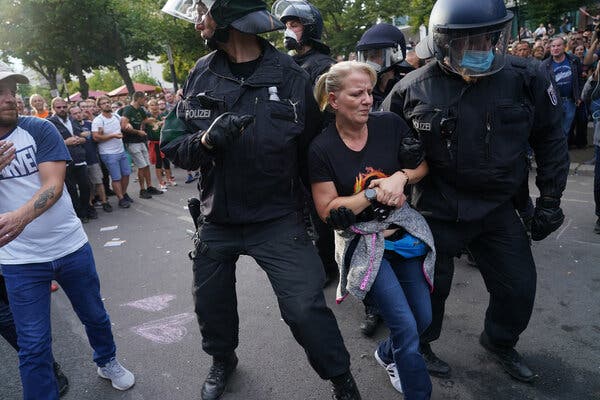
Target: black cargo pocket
(510,114)
(511,124)
(275,138)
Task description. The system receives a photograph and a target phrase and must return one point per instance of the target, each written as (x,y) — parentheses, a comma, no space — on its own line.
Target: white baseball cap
(6,72)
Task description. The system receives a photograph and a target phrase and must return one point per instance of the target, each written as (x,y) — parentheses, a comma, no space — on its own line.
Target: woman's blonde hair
(333,80)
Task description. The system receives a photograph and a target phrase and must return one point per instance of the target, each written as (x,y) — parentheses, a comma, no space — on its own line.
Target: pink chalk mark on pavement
(154,303)
(166,330)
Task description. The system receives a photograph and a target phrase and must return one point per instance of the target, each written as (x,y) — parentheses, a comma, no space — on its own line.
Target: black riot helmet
(249,16)
(468,37)
(308,16)
(382,46)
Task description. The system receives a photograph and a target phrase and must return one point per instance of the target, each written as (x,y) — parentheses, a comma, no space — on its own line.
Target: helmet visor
(381,59)
(288,9)
(188,10)
(474,53)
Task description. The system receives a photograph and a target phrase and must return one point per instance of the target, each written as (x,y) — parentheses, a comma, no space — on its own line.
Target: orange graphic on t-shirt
(363,180)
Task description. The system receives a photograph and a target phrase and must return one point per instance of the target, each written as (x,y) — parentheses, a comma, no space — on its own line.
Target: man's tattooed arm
(52,177)
(44,197)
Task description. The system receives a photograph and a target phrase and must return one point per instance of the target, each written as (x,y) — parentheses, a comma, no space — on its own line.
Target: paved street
(146,282)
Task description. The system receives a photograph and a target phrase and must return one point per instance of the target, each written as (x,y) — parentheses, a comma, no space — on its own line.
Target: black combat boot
(509,360)
(435,366)
(218,375)
(61,380)
(344,387)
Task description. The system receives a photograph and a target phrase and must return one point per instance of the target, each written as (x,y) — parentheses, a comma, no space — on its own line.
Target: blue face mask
(476,60)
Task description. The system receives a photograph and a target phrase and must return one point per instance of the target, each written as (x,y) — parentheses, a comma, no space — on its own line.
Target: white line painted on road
(564,229)
(575,200)
(114,243)
(583,242)
(166,330)
(154,303)
(109,228)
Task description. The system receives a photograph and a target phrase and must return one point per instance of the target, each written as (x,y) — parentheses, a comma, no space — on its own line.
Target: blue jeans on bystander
(569,109)
(28,287)
(402,295)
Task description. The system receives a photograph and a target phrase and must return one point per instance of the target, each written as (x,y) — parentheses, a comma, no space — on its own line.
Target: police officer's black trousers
(283,250)
(78,186)
(501,249)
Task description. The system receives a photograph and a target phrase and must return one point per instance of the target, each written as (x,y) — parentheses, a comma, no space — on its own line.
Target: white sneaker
(163,188)
(392,372)
(121,378)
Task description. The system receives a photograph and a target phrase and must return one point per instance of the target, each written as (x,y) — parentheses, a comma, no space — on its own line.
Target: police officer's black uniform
(250,200)
(315,62)
(251,196)
(475,136)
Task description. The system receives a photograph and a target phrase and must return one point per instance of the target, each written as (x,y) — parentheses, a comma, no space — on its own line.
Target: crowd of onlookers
(581,49)
(91,176)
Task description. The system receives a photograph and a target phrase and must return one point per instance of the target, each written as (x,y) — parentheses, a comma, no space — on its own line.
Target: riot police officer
(304,26)
(303,31)
(246,119)
(475,108)
(383,47)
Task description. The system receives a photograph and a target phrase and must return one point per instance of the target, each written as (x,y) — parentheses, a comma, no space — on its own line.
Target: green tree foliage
(144,77)
(186,45)
(105,80)
(419,11)
(544,11)
(73,36)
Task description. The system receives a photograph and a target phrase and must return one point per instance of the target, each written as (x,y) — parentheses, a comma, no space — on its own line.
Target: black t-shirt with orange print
(330,160)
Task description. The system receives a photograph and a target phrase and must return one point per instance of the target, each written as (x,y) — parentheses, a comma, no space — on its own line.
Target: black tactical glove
(225,130)
(411,152)
(547,217)
(340,218)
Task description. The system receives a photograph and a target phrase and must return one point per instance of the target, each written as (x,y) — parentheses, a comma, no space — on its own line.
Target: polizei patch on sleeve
(421,126)
(552,94)
(197,114)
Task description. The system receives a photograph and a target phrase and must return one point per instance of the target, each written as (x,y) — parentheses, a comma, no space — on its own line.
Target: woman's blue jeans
(402,295)
(28,287)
